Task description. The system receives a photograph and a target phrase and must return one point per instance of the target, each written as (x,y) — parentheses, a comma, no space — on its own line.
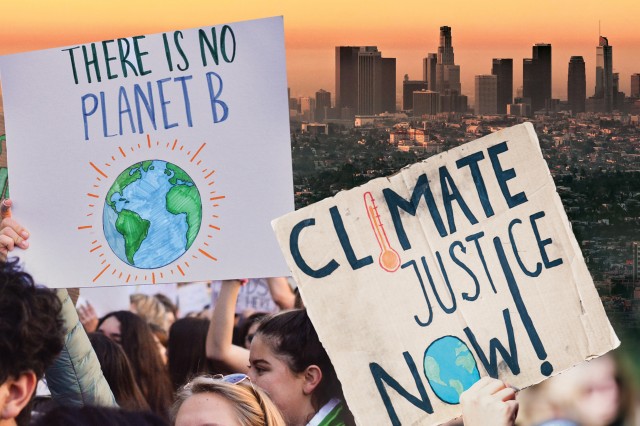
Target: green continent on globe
(186,199)
(134,229)
(178,174)
(457,386)
(432,368)
(465,360)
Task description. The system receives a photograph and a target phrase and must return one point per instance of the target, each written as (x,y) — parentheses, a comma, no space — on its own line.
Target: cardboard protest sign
(458,267)
(254,296)
(154,158)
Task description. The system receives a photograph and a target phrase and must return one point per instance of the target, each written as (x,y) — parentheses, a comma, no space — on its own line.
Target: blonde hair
(252,405)
(150,309)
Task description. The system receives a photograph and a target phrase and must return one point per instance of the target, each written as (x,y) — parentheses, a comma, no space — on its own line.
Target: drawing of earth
(450,368)
(152,214)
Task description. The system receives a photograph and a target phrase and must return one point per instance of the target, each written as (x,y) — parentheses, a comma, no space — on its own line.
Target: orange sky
(405,30)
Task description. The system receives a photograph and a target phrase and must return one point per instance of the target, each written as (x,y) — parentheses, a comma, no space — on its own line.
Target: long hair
(252,406)
(291,335)
(117,370)
(187,350)
(142,351)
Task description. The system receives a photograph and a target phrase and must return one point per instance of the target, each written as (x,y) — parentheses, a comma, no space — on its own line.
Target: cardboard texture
(457,267)
(143,159)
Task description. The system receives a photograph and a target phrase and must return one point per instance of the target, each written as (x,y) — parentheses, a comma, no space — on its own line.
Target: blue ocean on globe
(143,197)
(450,368)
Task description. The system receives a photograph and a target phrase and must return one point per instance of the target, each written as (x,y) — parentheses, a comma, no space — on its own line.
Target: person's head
(117,370)
(169,306)
(136,339)
(92,415)
(289,363)
(230,400)
(150,309)
(31,336)
(186,351)
(249,326)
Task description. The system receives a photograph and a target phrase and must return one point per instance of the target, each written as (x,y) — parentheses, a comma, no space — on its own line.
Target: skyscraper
(447,73)
(425,102)
(536,76)
(429,70)
(408,87)
(635,85)
(347,77)
(604,73)
(486,94)
(323,104)
(503,69)
(369,78)
(388,85)
(577,85)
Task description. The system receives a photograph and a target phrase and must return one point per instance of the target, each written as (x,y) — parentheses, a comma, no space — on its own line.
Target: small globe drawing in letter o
(450,368)
(152,214)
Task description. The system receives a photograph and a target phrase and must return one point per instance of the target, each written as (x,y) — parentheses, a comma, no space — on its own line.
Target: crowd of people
(150,365)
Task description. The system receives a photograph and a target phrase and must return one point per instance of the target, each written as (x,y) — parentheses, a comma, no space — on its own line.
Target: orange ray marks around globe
(219,197)
(138,146)
(216,205)
(98,170)
(209,236)
(194,256)
(209,175)
(103,262)
(132,148)
(85,227)
(167,145)
(122,152)
(153,277)
(120,276)
(175,142)
(92,205)
(128,278)
(96,186)
(113,158)
(187,263)
(215,215)
(107,164)
(89,214)
(188,153)
(214,227)
(101,255)
(161,275)
(211,183)
(198,163)
(95,248)
(145,277)
(157,143)
(94,241)
(114,271)
(180,269)
(181,147)
(136,278)
(205,243)
(148,140)
(101,272)
(93,195)
(171,272)
(98,179)
(198,152)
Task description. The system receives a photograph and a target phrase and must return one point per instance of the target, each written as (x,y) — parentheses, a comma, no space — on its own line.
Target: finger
(505,394)
(6,243)
(9,223)
(513,407)
(490,385)
(17,239)
(5,208)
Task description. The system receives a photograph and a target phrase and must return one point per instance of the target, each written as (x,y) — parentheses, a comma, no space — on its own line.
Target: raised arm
(281,292)
(220,348)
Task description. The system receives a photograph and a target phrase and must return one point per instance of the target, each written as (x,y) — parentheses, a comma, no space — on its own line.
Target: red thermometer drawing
(389,259)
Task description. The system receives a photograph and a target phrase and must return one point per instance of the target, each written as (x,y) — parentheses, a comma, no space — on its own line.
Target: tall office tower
(408,87)
(307,108)
(604,73)
(425,102)
(542,56)
(388,85)
(486,94)
(503,69)
(577,85)
(635,85)
(529,82)
(323,104)
(347,77)
(369,79)
(447,73)
(429,70)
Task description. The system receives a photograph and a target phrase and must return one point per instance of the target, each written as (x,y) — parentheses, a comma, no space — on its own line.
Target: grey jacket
(75,378)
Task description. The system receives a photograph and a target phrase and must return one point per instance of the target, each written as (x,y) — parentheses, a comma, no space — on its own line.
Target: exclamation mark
(545,368)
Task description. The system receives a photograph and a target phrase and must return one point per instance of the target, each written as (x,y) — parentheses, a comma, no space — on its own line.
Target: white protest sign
(253,296)
(193,297)
(151,159)
(458,267)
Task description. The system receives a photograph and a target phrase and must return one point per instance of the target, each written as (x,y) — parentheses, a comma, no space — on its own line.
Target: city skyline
(407,33)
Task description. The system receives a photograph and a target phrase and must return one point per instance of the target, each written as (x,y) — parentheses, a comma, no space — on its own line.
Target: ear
(20,391)
(312,378)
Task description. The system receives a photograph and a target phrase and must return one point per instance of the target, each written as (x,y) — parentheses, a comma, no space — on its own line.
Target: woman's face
(111,328)
(271,373)
(206,409)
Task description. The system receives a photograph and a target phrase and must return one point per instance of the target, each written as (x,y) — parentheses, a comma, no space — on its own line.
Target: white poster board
(151,159)
(458,267)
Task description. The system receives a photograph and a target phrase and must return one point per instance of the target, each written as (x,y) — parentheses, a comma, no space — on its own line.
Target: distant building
(408,87)
(447,73)
(486,94)
(503,69)
(635,85)
(388,86)
(307,108)
(323,105)
(429,70)
(577,85)
(604,74)
(425,102)
(536,76)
